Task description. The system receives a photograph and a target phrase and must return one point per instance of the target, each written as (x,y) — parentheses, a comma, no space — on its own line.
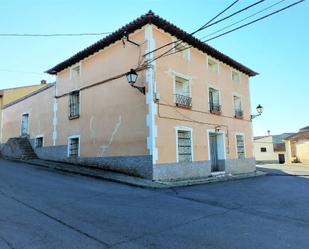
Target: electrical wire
(23,72)
(179,41)
(248,17)
(51,35)
(210,24)
(232,30)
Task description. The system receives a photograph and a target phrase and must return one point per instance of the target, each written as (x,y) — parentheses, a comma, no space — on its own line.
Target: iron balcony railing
(215,108)
(239,114)
(183,101)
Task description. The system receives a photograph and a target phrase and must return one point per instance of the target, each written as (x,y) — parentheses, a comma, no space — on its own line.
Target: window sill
(238,117)
(183,106)
(74,117)
(216,112)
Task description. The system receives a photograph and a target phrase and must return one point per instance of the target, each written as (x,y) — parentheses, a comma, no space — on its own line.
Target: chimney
(268,132)
(43,82)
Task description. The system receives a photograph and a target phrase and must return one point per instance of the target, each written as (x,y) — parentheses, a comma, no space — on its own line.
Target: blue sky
(277,47)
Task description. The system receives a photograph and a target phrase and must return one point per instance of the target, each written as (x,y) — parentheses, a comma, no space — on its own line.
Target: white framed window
(75,71)
(213,65)
(182,86)
(184,147)
(237,105)
(235,76)
(240,146)
(74,104)
(39,142)
(73,146)
(214,100)
(182,90)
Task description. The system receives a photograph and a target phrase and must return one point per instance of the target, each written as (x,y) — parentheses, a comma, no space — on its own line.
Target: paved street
(40,208)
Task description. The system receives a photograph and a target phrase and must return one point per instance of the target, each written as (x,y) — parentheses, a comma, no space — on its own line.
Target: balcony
(239,114)
(215,108)
(183,101)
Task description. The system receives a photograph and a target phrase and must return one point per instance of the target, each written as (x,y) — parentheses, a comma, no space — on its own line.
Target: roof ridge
(150,18)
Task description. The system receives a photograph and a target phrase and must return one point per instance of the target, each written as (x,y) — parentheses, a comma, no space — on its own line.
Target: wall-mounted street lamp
(132,77)
(259,110)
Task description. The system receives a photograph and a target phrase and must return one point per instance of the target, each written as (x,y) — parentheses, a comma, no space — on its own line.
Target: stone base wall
(132,165)
(240,166)
(177,171)
(53,153)
(142,166)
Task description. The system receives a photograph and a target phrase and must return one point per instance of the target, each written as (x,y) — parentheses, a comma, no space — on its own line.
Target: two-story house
(9,95)
(187,116)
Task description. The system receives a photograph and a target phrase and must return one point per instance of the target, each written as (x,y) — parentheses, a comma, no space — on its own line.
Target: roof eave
(151,18)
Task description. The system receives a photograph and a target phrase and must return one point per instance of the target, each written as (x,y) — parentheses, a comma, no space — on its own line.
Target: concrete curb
(132,180)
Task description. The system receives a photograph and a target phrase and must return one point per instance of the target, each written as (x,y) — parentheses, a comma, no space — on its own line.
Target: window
(38,142)
(214,101)
(240,146)
(263,149)
(73,147)
(184,146)
(182,92)
(74,105)
(235,76)
(183,49)
(213,65)
(238,113)
(75,71)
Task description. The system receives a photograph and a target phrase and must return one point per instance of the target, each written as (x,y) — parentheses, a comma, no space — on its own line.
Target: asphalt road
(45,209)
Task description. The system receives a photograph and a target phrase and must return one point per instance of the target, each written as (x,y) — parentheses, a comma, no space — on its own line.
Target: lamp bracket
(255,115)
(142,89)
(126,37)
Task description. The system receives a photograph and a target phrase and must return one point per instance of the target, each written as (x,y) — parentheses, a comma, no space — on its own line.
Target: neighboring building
(271,148)
(193,120)
(10,95)
(298,146)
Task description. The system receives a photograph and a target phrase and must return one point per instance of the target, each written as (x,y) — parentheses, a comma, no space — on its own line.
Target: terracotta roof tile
(150,18)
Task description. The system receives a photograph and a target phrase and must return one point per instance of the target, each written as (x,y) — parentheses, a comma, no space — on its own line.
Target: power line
(254,14)
(51,35)
(211,24)
(232,30)
(179,41)
(212,19)
(17,71)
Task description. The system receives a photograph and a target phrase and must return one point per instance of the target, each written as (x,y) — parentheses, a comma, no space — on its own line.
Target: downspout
(151,90)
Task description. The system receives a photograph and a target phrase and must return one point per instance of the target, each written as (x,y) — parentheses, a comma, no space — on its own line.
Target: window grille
(74,105)
(184,146)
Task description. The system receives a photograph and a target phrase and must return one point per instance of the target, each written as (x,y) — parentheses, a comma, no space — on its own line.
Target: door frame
(21,123)
(284,158)
(220,147)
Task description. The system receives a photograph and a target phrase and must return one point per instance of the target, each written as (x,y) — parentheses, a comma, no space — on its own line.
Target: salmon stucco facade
(187,116)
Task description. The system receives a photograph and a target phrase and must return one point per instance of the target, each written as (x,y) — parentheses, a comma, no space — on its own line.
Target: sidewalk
(131,180)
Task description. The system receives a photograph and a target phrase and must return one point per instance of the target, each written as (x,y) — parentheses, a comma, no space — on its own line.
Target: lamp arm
(255,115)
(142,89)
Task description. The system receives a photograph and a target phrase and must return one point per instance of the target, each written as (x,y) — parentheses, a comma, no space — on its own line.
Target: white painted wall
(269,155)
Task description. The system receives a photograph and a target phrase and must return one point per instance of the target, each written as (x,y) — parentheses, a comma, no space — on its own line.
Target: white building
(271,148)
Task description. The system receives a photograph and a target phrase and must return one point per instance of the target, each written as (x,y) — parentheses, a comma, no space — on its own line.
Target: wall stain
(92,131)
(105,147)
